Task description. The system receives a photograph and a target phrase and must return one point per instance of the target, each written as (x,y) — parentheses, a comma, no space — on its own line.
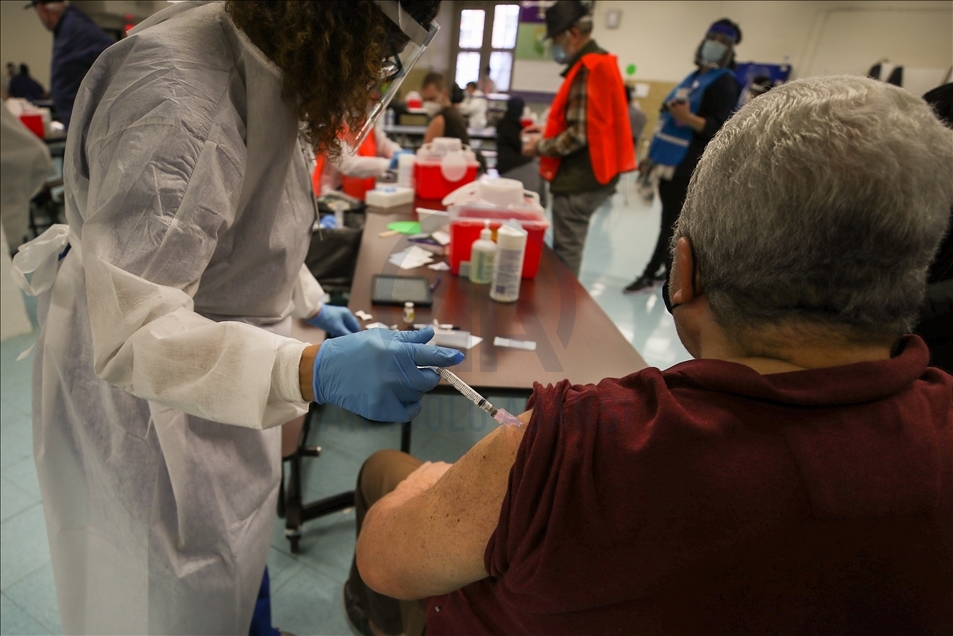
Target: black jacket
(718,103)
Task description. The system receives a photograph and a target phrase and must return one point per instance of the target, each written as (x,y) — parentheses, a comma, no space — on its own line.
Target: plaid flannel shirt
(574,137)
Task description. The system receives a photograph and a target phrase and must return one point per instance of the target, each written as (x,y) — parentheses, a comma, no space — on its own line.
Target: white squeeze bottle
(508,267)
(405,170)
(482,256)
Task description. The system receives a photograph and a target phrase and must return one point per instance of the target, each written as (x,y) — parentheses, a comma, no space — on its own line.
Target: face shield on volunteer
(715,50)
(402,51)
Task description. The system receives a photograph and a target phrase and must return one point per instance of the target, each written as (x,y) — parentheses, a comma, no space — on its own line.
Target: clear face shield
(402,51)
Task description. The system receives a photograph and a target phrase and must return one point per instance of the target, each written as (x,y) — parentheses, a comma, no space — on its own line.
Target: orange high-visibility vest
(350,185)
(608,132)
(358,187)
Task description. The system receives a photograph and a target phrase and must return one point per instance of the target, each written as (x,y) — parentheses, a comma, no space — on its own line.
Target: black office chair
(291,505)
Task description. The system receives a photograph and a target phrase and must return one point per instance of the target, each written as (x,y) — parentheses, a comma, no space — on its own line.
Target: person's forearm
(306,372)
(392,517)
(697,123)
(417,544)
(691,120)
(566,143)
(381,567)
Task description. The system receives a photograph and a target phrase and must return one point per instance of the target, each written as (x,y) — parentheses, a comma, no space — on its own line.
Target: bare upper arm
(435,542)
(435,128)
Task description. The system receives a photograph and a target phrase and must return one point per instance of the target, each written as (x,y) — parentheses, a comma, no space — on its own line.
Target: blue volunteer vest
(671,140)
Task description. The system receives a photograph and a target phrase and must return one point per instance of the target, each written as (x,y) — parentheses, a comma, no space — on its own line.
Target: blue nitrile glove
(328,222)
(395,158)
(337,321)
(375,373)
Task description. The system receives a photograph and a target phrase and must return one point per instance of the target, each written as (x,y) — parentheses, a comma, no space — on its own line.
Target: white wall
(537,75)
(814,37)
(24,39)
(437,55)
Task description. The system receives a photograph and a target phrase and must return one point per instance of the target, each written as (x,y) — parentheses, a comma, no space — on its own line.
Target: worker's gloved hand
(376,373)
(396,158)
(337,321)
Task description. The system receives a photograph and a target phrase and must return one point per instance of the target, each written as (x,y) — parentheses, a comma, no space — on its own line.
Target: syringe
(500,415)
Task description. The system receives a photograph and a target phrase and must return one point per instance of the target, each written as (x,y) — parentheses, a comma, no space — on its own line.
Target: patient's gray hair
(821,203)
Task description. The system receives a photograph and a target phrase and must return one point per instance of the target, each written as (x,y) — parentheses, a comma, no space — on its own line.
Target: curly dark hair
(330,52)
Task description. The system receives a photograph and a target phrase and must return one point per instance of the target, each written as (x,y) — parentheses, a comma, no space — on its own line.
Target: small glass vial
(408,313)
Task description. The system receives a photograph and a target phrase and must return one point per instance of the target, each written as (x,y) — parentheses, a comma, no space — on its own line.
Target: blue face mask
(558,53)
(713,52)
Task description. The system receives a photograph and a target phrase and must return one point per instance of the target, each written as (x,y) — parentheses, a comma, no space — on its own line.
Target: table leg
(405,437)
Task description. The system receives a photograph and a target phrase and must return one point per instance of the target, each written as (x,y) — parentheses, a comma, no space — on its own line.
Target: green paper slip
(404,227)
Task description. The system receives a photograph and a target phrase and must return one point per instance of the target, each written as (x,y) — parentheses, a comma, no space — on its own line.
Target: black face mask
(665,299)
(669,305)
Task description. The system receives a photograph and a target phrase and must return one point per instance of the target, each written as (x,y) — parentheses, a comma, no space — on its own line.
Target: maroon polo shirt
(710,499)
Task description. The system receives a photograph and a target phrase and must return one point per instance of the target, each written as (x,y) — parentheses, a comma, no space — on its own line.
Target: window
(471,28)
(468,67)
(501,69)
(478,43)
(506,20)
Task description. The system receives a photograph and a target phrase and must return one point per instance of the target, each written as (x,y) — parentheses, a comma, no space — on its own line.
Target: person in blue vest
(692,113)
(77,42)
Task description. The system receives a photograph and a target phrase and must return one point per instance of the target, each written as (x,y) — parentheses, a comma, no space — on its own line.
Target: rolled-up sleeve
(159,198)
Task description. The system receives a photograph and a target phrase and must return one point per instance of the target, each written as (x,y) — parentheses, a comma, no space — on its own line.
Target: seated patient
(797,476)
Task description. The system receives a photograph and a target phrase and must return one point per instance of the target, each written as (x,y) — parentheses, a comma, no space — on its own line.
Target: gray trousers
(571,214)
(528,175)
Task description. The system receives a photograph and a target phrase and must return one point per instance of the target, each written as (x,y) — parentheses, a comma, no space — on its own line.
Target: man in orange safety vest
(587,142)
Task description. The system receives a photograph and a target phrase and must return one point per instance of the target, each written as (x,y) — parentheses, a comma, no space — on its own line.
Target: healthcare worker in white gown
(163,366)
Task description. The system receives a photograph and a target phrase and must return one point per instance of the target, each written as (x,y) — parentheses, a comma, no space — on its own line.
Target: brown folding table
(574,337)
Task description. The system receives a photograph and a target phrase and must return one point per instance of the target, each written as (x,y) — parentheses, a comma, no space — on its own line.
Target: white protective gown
(160,372)
(25,165)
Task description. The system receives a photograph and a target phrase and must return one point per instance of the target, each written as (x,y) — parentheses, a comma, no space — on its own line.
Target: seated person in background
(445,119)
(11,73)
(356,172)
(24,86)
(474,106)
(486,83)
(796,476)
(457,96)
(511,163)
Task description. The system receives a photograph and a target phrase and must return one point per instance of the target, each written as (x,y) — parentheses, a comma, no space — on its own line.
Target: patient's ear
(680,284)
